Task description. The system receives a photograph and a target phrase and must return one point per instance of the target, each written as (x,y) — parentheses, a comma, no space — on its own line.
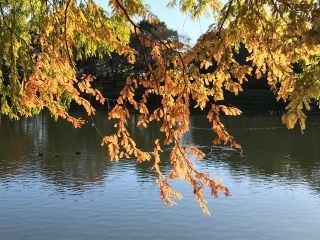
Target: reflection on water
(270,150)
(54,177)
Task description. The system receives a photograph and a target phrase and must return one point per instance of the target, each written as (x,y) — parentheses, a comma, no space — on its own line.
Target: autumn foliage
(42,40)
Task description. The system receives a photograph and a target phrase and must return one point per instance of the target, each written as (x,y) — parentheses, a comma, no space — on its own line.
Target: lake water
(275,185)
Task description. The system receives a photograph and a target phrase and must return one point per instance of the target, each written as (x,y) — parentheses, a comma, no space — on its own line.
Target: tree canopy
(42,41)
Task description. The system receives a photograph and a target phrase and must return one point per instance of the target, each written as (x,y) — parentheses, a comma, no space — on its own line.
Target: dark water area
(57,182)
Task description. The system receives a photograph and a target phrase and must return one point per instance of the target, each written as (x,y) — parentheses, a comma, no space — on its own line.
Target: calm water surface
(58,194)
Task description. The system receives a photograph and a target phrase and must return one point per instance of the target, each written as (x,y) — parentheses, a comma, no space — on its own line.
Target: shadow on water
(73,160)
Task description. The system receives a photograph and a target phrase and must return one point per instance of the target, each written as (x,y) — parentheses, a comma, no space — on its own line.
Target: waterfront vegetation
(58,55)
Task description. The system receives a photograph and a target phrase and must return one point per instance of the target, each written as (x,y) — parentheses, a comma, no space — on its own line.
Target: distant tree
(112,69)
